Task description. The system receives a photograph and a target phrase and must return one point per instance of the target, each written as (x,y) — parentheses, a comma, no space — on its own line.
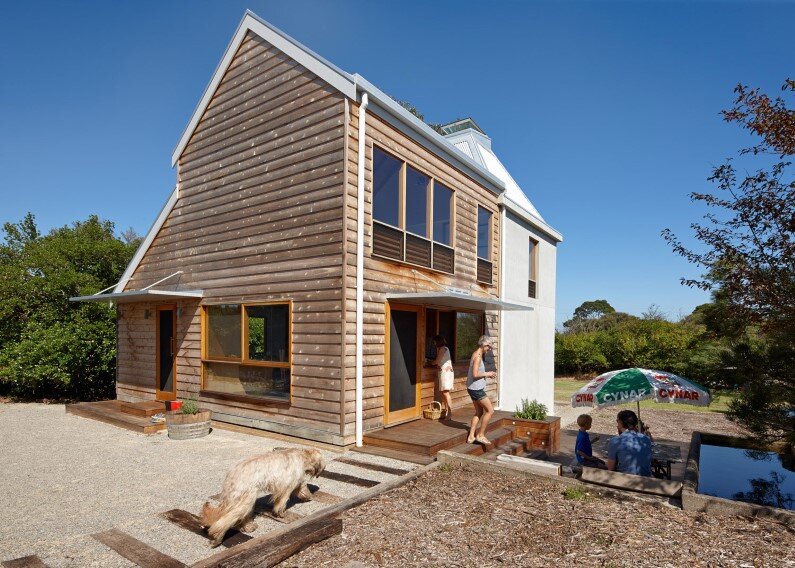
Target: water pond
(759,477)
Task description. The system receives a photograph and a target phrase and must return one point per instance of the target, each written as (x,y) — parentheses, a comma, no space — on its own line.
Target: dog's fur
(281,473)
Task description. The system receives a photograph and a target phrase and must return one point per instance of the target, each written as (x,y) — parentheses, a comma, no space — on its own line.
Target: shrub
(189,406)
(531,410)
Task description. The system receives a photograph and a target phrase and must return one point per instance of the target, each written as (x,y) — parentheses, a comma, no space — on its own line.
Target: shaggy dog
(281,473)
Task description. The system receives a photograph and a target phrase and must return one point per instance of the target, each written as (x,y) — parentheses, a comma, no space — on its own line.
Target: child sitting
(582,447)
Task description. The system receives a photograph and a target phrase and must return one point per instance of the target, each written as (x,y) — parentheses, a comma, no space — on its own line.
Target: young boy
(582,447)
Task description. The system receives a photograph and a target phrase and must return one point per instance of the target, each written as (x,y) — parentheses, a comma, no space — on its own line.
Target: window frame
(453,344)
(429,195)
(533,268)
(243,360)
(489,232)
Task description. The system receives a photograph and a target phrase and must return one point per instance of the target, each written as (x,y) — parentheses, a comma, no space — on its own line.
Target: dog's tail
(210,514)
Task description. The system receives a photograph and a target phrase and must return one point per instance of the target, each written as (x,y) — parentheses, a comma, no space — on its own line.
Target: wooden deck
(427,437)
(131,416)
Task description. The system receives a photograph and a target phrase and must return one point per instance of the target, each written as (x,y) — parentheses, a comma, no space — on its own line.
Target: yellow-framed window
(247,350)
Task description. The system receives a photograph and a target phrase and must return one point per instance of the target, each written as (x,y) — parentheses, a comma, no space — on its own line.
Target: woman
(630,451)
(446,375)
(476,387)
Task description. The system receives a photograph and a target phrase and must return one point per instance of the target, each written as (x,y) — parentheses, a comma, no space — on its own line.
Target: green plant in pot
(531,410)
(189,422)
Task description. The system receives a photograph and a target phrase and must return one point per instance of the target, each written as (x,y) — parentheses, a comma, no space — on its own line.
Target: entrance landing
(427,437)
(135,416)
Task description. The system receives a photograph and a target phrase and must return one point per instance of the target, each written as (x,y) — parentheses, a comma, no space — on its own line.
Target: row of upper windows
(419,212)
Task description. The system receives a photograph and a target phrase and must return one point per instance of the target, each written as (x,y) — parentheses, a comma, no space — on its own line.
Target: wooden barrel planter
(188,426)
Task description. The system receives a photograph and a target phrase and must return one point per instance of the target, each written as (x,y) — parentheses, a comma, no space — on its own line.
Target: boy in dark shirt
(582,447)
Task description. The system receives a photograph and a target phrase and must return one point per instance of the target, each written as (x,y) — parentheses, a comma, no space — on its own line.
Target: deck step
(497,437)
(109,412)
(146,408)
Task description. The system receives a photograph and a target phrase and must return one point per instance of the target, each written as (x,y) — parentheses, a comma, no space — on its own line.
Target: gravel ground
(454,516)
(64,477)
(677,425)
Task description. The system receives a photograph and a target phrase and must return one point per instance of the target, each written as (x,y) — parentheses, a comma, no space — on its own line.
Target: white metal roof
(456,300)
(140,296)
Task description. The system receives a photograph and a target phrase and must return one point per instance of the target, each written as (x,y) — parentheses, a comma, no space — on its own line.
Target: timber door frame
(413,412)
(166,395)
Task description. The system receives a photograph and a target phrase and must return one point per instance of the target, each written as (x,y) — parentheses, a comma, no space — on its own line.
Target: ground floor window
(460,329)
(246,350)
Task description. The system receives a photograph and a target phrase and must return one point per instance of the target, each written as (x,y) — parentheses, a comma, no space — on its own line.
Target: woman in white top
(476,387)
(446,375)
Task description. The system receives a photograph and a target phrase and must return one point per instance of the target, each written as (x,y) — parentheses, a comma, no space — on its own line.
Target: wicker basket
(433,411)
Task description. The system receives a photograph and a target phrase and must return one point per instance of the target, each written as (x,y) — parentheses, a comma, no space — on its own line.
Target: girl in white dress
(446,375)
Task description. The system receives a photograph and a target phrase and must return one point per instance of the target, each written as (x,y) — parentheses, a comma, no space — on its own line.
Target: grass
(576,494)
(567,386)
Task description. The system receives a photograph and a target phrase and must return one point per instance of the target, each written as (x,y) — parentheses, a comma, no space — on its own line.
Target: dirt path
(458,517)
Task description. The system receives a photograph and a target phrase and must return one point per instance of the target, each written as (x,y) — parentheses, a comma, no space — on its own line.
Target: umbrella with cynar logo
(634,385)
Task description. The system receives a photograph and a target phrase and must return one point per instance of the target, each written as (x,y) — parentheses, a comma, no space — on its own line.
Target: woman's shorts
(477,395)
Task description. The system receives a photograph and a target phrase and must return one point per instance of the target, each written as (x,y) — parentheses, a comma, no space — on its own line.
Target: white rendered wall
(527,348)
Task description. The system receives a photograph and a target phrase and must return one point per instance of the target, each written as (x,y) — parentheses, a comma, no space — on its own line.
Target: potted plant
(188,422)
(531,421)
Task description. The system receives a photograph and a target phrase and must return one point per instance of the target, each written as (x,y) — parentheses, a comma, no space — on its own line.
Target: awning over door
(456,300)
(148,295)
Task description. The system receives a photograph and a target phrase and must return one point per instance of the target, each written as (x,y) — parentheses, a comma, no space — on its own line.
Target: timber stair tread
(110,412)
(147,408)
(399,455)
(497,437)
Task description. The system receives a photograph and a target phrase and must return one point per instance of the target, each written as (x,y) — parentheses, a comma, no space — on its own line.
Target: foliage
(51,347)
(747,251)
(531,410)
(575,494)
(436,126)
(189,406)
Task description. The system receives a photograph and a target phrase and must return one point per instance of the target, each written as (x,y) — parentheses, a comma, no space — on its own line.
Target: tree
(51,347)
(587,312)
(748,255)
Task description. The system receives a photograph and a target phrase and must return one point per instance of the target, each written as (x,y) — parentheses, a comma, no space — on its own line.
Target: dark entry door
(166,386)
(403,394)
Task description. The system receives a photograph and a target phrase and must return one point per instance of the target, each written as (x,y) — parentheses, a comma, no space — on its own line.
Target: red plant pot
(173,404)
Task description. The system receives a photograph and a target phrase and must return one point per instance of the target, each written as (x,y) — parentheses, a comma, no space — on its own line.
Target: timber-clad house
(296,274)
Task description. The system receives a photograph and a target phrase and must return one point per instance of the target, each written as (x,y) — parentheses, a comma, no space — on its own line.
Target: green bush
(189,406)
(531,410)
(51,347)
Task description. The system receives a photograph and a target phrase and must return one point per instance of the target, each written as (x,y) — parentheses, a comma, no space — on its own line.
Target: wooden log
(352,479)
(136,551)
(192,523)
(31,561)
(276,547)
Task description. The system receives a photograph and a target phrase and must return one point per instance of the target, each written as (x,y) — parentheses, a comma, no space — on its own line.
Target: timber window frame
(424,249)
(485,268)
(532,280)
(244,363)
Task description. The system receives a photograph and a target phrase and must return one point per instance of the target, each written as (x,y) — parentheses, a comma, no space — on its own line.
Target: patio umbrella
(634,385)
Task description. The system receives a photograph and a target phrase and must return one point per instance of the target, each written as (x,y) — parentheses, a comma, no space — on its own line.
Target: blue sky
(605,113)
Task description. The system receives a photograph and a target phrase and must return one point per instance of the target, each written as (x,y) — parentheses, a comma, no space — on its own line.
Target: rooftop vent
(459,125)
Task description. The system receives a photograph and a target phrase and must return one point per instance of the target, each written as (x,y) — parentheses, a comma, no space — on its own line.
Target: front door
(166,382)
(403,351)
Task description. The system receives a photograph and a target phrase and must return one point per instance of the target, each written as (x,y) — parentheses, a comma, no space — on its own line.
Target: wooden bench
(628,482)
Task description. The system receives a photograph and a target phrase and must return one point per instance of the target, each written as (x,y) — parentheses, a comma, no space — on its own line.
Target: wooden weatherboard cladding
(260,217)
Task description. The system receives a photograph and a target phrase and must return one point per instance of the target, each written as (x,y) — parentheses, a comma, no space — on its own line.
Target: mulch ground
(455,516)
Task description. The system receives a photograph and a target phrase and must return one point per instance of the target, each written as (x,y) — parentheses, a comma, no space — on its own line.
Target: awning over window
(455,300)
(148,295)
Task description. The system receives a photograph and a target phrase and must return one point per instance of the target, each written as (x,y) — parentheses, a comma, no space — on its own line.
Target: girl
(476,387)
(446,375)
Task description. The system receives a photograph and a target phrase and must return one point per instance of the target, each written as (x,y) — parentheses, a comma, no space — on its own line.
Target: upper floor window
(532,283)
(484,268)
(412,215)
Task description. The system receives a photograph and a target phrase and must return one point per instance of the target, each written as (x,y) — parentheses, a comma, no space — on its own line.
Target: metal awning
(456,300)
(148,295)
